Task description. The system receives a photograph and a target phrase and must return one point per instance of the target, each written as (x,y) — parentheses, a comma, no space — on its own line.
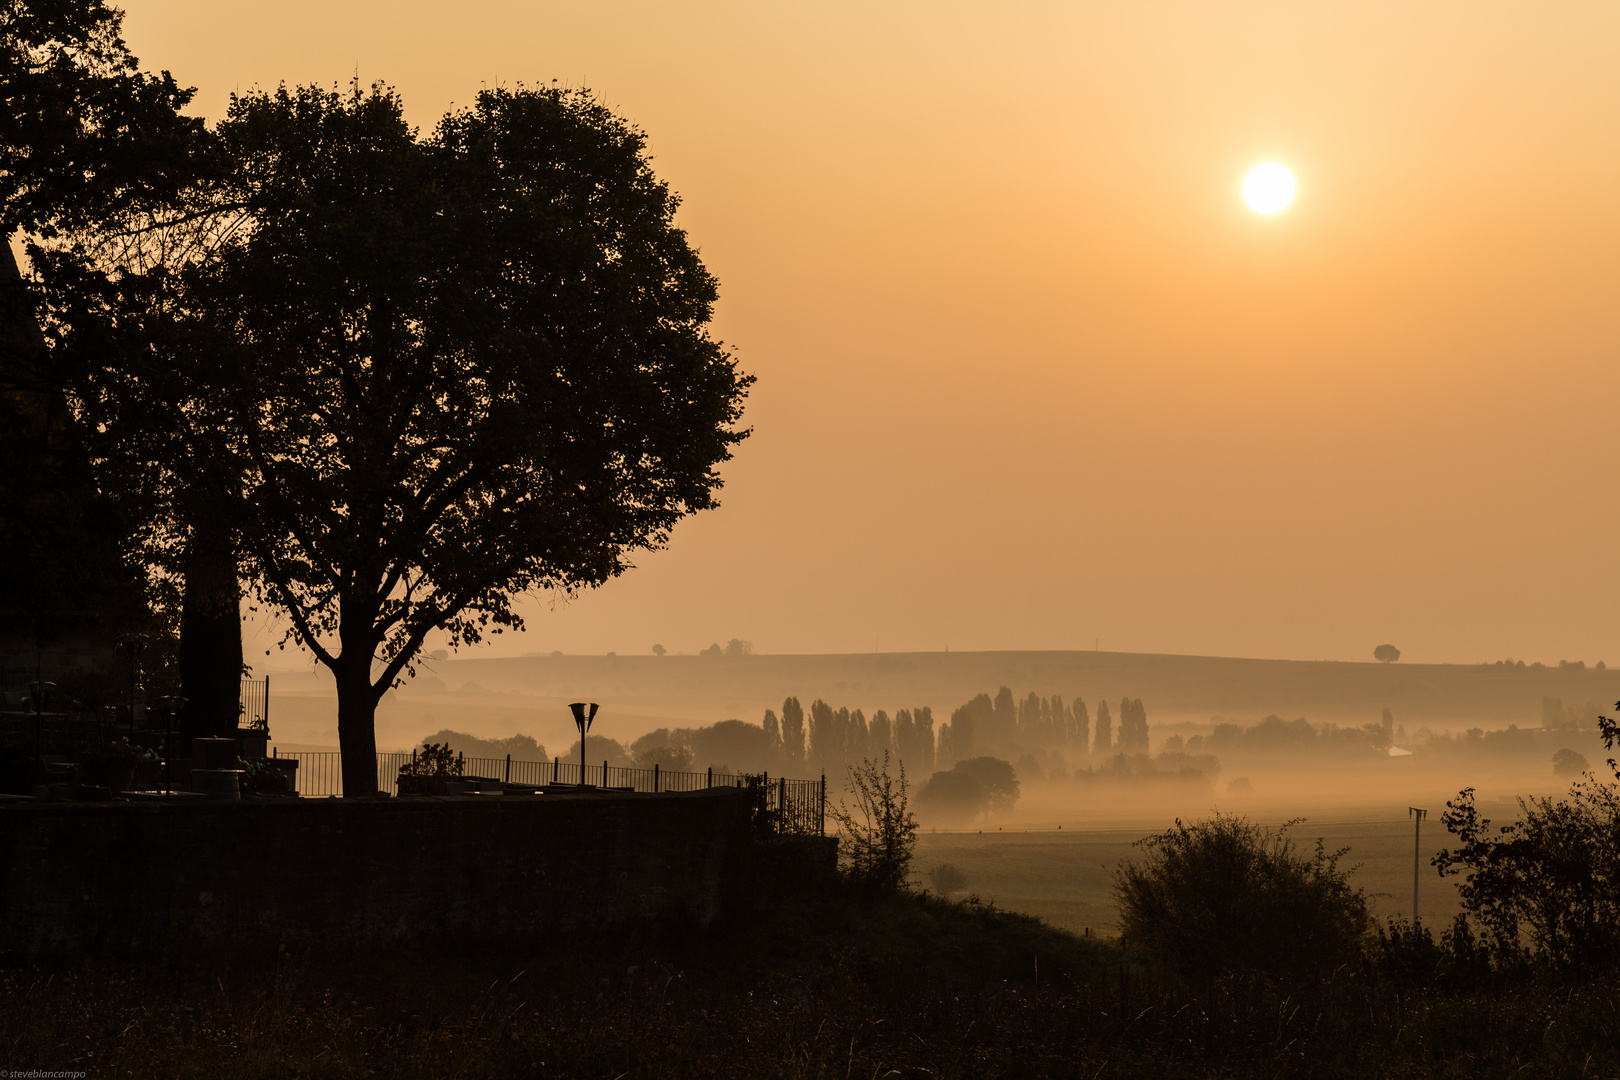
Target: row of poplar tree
(828,739)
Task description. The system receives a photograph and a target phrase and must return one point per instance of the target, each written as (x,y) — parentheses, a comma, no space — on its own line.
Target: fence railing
(255,705)
(797,806)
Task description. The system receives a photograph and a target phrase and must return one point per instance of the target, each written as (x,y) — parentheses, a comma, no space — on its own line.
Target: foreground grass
(840,984)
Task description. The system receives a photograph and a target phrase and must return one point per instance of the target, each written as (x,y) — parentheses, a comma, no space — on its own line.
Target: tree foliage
(1386,654)
(85,137)
(430,373)
(1545,888)
(878,834)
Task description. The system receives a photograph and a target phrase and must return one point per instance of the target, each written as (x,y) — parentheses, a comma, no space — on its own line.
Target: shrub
(261,777)
(997,777)
(1547,887)
(947,878)
(1227,895)
(1568,762)
(952,796)
(434,759)
(1407,953)
(877,836)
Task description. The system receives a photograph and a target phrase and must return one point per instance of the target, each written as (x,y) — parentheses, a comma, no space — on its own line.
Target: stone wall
(118,879)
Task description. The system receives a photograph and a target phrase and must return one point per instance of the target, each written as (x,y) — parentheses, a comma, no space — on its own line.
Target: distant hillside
(642,692)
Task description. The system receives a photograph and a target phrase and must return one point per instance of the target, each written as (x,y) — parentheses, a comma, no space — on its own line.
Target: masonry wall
(118,879)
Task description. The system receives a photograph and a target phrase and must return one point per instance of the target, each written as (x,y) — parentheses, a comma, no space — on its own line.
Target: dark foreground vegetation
(843,982)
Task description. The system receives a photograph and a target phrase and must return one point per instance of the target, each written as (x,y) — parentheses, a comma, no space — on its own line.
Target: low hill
(497,697)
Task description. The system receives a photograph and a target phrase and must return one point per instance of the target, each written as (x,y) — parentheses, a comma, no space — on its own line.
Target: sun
(1269,188)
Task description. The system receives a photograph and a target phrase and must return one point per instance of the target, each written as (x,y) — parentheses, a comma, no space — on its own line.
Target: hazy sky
(1030,373)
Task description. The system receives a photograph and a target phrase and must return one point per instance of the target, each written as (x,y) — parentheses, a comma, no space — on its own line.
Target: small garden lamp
(132,644)
(584,713)
(171,705)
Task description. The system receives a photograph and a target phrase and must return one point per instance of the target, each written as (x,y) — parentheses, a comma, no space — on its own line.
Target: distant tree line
(1009,727)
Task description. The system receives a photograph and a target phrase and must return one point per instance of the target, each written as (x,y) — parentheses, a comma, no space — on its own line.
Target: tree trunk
(211,638)
(357,722)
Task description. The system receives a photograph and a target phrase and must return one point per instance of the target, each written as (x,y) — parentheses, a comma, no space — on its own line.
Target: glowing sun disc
(1268,188)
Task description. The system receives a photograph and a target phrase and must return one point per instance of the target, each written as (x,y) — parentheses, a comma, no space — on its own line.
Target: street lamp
(582,720)
(133,643)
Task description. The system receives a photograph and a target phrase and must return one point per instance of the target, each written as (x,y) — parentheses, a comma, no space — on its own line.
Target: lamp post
(133,644)
(584,713)
(171,705)
(39,692)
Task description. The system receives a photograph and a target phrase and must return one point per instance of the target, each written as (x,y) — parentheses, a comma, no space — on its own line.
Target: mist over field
(1274,740)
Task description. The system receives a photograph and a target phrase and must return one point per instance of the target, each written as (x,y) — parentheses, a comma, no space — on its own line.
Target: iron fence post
(655,778)
(508,769)
(710,782)
(821,830)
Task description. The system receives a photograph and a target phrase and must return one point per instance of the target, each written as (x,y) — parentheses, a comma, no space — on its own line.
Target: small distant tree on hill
(1386,654)
(659,650)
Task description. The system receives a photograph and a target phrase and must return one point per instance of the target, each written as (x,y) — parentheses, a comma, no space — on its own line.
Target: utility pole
(1417,817)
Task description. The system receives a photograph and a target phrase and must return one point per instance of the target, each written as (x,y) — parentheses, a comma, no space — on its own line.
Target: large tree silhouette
(442,371)
(86,137)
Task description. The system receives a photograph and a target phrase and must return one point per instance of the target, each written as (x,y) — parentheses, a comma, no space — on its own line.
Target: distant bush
(972,788)
(1226,895)
(661,748)
(521,747)
(1568,762)
(947,878)
(997,777)
(951,796)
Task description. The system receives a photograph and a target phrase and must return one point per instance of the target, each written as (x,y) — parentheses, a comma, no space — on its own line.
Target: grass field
(1066,876)
(845,984)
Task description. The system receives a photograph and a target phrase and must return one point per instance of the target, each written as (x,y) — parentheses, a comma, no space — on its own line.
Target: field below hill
(497,697)
(1066,876)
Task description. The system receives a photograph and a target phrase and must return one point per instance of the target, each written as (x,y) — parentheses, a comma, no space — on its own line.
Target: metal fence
(796,806)
(255,707)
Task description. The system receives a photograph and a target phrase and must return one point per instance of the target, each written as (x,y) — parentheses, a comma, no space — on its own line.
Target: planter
(422,785)
(112,775)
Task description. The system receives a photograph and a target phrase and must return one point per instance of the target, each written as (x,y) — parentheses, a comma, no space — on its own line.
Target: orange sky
(1030,374)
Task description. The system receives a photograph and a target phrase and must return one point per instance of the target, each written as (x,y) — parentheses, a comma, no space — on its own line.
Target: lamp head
(584,713)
